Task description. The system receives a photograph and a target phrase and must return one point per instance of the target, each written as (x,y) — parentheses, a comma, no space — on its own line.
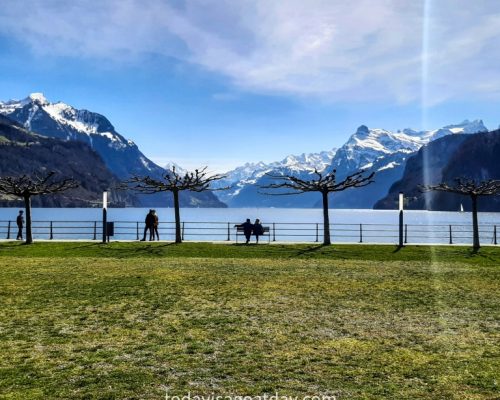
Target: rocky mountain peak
(362,130)
(38,98)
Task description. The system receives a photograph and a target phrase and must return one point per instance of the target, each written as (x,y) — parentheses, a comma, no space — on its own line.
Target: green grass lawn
(127,320)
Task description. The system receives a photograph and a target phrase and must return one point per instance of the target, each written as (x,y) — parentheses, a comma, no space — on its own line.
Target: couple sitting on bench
(248,229)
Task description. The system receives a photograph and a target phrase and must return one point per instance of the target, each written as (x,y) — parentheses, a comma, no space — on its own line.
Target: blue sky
(224,82)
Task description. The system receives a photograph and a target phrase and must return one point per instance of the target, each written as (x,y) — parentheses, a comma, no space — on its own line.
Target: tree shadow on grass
(312,250)
(398,249)
(472,253)
(10,245)
(141,249)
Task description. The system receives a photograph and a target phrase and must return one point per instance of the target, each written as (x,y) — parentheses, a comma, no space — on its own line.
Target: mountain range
(111,158)
(243,179)
(444,160)
(121,156)
(24,152)
(374,150)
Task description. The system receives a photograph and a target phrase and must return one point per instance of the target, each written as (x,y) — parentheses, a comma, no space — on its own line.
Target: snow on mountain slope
(249,173)
(178,169)
(65,122)
(35,110)
(381,151)
(366,145)
(120,155)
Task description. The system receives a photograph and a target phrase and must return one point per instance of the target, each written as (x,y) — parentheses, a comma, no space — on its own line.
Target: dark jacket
(20,221)
(258,230)
(247,228)
(150,219)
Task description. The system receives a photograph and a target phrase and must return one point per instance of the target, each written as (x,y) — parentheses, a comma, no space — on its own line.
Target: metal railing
(278,231)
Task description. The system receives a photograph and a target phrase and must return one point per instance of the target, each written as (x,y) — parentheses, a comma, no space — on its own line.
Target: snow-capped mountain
(464,127)
(471,156)
(66,159)
(62,121)
(178,168)
(381,151)
(249,173)
(121,156)
(367,145)
(388,169)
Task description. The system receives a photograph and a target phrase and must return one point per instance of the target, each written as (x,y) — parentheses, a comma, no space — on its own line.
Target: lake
(287,225)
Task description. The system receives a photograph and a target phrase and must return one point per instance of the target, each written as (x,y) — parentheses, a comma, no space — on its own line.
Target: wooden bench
(240,232)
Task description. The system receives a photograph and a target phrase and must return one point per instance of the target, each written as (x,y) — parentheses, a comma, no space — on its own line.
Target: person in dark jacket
(155,226)
(20,225)
(258,230)
(247,229)
(150,222)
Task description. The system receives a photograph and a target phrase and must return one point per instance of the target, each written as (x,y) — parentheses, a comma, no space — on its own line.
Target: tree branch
(325,183)
(467,187)
(197,181)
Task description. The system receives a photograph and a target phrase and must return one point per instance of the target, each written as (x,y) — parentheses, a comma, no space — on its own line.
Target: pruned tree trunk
(25,186)
(473,189)
(178,236)
(197,181)
(326,220)
(27,206)
(325,184)
(475,224)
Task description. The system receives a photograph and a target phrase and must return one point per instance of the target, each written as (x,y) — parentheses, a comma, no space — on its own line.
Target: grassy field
(128,320)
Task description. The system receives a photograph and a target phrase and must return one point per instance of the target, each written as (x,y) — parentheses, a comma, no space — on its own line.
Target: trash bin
(110,229)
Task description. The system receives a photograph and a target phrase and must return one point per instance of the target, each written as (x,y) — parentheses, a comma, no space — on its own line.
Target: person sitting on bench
(258,230)
(247,229)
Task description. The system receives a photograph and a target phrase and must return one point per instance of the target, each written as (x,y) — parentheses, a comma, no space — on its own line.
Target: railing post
(317,233)
(51,232)
(451,236)
(495,234)
(360,233)
(183,231)
(274,232)
(406,233)
(228,232)
(95,230)
(137,230)
(8,231)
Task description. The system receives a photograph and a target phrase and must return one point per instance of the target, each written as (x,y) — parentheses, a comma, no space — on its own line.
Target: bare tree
(473,189)
(27,186)
(197,181)
(324,184)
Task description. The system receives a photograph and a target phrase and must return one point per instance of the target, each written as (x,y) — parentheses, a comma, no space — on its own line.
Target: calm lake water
(300,225)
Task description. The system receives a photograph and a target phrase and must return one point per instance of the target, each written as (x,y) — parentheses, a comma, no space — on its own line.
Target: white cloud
(334,49)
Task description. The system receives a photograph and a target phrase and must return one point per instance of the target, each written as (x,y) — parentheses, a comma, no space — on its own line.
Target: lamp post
(401,205)
(104,215)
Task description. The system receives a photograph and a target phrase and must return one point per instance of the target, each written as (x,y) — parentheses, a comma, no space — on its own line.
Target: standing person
(258,230)
(247,229)
(149,221)
(155,226)
(20,224)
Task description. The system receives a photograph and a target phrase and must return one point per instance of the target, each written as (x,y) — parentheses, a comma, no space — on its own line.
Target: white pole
(401,202)
(104,215)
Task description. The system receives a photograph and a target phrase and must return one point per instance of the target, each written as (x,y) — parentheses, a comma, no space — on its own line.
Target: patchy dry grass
(96,327)
(126,250)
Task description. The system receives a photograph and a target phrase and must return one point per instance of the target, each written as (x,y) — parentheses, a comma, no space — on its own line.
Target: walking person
(149,221)
(20,225)
(155,226)
(247,229)
(258,230)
